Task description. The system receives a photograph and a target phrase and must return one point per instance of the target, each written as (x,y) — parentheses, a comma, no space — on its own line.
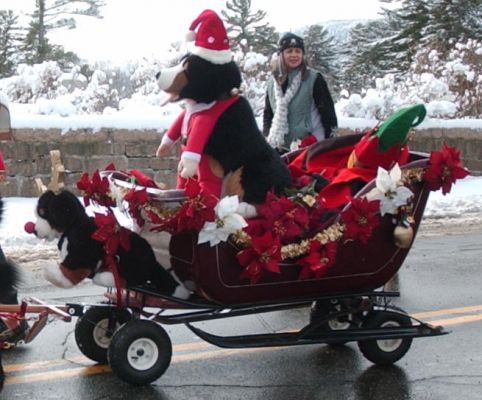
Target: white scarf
(279,126)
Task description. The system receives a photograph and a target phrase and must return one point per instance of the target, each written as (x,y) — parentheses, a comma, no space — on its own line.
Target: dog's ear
(43,204)
(65,209)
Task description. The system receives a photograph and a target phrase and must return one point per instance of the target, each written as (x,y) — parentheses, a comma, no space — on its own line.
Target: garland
(287,227)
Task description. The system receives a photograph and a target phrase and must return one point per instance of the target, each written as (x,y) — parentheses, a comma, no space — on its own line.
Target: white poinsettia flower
(390,190)
(227,222)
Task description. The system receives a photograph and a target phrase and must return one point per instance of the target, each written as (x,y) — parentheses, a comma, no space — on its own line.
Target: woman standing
(299,109)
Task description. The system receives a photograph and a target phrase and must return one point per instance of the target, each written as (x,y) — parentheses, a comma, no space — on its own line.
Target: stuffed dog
(221,143)
(10,328)
(63,216)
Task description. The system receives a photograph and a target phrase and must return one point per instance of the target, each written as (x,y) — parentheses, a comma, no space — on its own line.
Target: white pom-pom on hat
(190,36)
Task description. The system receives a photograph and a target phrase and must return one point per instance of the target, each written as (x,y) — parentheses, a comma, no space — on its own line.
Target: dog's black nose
(158,75)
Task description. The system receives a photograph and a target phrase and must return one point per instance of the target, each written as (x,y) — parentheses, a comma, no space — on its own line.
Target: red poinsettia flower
(285,217)
(111,233)
(195,212)
(444,169)
(96,189)
(136,199)
(360,219)
(256,227)
(302,181)
(110,167)
(318,260)
(264,254)
(319,218)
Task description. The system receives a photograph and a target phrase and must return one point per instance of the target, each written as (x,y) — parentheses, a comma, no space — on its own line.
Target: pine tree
(320,53)
(410,19)
(452,21)
(50,15)
(246,29)
(9,42)
(367,54)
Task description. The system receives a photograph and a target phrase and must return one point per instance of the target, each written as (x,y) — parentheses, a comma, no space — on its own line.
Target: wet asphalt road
(442,273)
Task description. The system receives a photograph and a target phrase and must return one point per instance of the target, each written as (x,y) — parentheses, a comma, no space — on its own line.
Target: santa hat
(211,40)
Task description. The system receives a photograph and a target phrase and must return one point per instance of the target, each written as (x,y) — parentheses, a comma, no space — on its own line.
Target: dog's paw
(55,276)
(246,210)
(165,147)
(187,168)
(105,279)
(181,293)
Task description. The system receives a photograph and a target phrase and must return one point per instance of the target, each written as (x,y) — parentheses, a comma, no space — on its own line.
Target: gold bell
(403,236)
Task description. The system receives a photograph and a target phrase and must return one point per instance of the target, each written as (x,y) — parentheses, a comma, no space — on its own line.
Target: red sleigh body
(358,267)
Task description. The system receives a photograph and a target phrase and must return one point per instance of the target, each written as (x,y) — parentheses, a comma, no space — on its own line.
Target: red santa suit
(194,127)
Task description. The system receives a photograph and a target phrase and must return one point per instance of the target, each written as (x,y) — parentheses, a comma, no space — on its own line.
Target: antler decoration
(57,174)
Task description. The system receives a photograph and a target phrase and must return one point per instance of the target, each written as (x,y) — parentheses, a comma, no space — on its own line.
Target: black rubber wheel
(140,352)
(385,351)
(92,332)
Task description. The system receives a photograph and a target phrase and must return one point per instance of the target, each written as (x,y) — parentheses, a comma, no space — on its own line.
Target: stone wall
(27,156)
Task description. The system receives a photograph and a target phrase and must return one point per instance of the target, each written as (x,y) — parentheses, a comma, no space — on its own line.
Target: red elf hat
(383,146)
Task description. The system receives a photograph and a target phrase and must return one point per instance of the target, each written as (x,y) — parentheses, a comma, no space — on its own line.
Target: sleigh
(348,301)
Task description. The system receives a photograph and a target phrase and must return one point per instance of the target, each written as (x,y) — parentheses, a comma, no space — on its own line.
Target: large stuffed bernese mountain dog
(221,144)
(62,216)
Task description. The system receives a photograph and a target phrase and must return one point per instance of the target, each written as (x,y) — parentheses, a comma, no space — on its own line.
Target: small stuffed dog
(63,216)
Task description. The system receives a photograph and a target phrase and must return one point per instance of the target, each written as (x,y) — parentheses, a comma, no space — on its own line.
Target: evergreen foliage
(452,21)
(320,53)
(9,42)
(418,51)
(50,15)
(367,53)
(247,30)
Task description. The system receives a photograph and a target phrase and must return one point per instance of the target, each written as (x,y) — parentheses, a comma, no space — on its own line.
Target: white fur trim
(189,155)
(279,125)
(54,275)
(105,279)
(191,108)
(190,36)
(214,56)
(166,140)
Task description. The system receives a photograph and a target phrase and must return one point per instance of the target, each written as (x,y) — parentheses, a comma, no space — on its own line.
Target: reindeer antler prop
(57,174)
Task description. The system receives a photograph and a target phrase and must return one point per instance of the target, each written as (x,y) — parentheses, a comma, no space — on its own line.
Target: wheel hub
(389,345)
(142,354)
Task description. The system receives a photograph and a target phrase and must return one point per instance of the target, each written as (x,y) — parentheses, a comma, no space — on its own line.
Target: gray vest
(299,109)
